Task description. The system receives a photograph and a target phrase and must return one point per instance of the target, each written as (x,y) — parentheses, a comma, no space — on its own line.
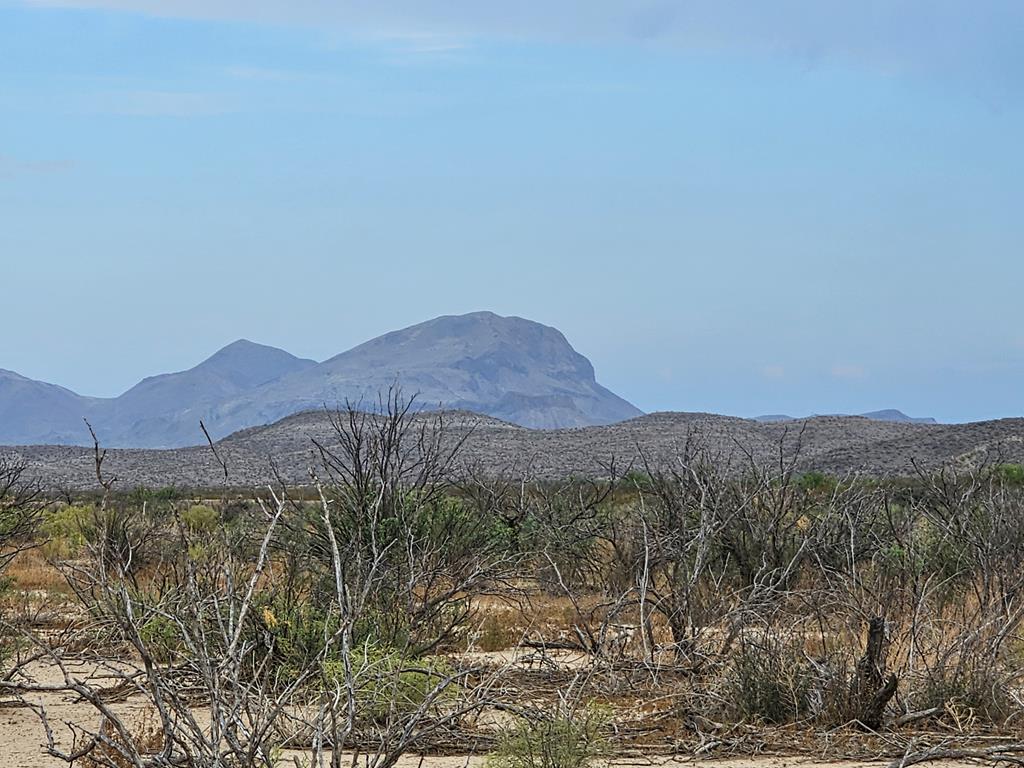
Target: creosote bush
(389,685)
(767,682)
(570,737)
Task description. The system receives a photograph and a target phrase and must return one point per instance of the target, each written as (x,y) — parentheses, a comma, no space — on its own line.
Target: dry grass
(501,625)
(147,738)
(30,571)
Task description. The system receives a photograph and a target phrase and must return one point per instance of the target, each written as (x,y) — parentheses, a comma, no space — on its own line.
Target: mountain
(35,412)
(164,411)
(890,414)
(774,418)
(507,367)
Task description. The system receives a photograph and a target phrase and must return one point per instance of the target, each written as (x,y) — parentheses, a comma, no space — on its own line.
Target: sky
(804,206)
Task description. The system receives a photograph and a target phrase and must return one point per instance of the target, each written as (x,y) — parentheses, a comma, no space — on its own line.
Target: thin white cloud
(948,37)
(154,103)
(15,166)
(847,371)
(773,372)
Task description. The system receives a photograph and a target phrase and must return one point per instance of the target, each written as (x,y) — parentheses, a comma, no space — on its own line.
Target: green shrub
(1011,474)
(571,738)
(7,637)
(947,557)
(815,481)
(768,683)
(969,688)
(200,518)
(496,633)
(162,638)
(293,634)
(390,685)
(64,530)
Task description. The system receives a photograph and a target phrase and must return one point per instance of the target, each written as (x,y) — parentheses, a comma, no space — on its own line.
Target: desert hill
(832,444)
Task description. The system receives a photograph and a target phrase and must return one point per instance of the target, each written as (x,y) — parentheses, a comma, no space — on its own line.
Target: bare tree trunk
(870,689)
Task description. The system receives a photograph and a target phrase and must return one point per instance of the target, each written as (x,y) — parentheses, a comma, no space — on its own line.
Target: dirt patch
(22,738)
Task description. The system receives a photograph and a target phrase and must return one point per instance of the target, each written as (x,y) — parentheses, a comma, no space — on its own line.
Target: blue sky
(728,206)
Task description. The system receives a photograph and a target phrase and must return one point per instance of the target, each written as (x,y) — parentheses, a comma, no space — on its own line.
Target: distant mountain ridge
(507,367)
(889,414)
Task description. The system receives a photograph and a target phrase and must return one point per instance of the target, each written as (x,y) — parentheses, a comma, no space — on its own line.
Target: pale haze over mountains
(510,368)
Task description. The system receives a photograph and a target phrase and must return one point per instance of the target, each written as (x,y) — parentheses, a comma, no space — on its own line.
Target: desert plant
(389,686)
(115,749)
(21,509)
(200,518)
(573,736)
(411,552)
(63,528)
(20,513)
(766,681)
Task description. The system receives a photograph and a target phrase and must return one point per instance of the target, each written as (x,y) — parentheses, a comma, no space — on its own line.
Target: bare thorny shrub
(309,627)
(798,567)
(790,596)
(20,512)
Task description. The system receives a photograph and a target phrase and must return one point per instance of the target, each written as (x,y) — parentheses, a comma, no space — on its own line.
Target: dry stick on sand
(998,753)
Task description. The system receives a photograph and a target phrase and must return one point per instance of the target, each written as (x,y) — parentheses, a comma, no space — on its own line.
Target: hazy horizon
(811,209)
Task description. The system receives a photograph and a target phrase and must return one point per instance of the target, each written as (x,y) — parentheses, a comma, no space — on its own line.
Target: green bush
(969,688)
(162,638)
(390,685)
(199,518)
(815,481)
(64,530)
(1011,474)
(293,634)
(766,682)
(571,738)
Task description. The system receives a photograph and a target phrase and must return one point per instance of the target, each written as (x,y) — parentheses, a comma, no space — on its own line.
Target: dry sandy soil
(22,738)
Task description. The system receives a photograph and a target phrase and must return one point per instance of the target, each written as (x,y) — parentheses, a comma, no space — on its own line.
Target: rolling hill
(833,444)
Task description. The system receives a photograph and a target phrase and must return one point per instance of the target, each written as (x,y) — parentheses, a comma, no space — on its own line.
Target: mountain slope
(889,414)
(158,412)
(164,411)
(507,367)
(35,412)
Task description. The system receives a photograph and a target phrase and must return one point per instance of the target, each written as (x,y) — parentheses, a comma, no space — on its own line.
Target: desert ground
(23,739)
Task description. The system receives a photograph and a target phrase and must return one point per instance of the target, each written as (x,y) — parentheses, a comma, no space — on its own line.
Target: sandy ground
(22,739)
